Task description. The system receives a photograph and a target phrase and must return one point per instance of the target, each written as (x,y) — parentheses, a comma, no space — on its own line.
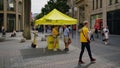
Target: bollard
(34,43)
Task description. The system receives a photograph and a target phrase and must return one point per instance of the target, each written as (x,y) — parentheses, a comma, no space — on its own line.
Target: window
(20,7)
(100,3)
(11,22)
(96,4)
(110,2)
(93,4)
(11,5)
(116,1)
(1,4)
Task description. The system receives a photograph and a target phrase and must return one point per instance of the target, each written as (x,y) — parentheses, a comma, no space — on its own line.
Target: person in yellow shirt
(85,42)
(55,33)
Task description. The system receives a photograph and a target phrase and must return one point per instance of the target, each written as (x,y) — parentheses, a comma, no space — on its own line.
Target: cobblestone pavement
(14,54)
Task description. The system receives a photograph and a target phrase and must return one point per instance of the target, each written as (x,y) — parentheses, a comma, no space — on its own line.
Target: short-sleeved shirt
(66,32)
(83,37)
(54,32)
(106,33)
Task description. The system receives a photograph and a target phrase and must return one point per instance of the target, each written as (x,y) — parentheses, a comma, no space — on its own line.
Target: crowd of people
(86,36)
(62,31)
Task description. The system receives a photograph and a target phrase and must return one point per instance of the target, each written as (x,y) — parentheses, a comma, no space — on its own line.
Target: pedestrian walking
(106,35)
(85,43)
(66,38)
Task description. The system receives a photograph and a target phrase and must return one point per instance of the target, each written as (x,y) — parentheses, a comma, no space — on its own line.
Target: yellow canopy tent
(56,17)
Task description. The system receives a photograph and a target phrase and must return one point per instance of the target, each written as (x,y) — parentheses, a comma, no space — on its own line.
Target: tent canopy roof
(56,17)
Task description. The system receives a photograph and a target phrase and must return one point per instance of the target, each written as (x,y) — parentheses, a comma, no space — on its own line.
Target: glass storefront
(11,22)
(94,18)
(1,4)
(1,21)
(113,21)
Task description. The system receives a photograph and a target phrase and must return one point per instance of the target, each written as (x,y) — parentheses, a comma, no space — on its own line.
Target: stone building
(83,10)
(108,11)
(73,8)
(11,15)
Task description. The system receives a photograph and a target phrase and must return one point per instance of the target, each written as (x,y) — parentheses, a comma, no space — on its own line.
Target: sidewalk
(21,55)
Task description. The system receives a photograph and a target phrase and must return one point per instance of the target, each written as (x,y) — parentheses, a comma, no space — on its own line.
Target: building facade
(73,8)
(83,10)
(108,11)
(11,15)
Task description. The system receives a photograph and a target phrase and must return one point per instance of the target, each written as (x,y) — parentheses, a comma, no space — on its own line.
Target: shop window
(11,22)
(1,4)
(1,21)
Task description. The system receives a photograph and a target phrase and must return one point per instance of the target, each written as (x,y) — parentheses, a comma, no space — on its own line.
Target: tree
(61,5)
(27,11)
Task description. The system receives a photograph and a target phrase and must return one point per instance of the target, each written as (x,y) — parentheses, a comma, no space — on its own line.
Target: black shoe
(66,49)
(93,60)
(81,62)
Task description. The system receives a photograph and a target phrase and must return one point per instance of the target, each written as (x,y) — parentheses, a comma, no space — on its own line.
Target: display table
(50,42)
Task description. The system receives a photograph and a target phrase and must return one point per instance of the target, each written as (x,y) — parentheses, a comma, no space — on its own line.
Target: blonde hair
(85,22)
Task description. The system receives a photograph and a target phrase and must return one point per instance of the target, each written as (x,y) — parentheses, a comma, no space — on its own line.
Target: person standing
(3,31)
(66,38)
(61,31)
(106,35)
(85,43)
(55,34)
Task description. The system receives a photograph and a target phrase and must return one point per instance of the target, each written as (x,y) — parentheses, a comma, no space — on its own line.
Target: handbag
(85,37)
(69,40)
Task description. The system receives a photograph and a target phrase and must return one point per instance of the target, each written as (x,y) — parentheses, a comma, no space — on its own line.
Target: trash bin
(50,41)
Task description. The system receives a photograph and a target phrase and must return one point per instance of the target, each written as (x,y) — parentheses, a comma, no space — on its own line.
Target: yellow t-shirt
(85,31)
(54,32)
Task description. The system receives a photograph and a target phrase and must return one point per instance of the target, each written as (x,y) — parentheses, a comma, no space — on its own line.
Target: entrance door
(11,25)
(113,22)
(1,21)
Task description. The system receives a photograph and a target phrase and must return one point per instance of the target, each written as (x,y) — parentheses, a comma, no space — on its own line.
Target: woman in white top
(106,35)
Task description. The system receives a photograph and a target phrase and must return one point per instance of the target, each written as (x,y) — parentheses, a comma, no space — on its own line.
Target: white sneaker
(106,43)
(55,49)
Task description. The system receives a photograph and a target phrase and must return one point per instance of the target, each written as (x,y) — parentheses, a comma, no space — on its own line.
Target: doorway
(113,21)
(1,22)
(11,24)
